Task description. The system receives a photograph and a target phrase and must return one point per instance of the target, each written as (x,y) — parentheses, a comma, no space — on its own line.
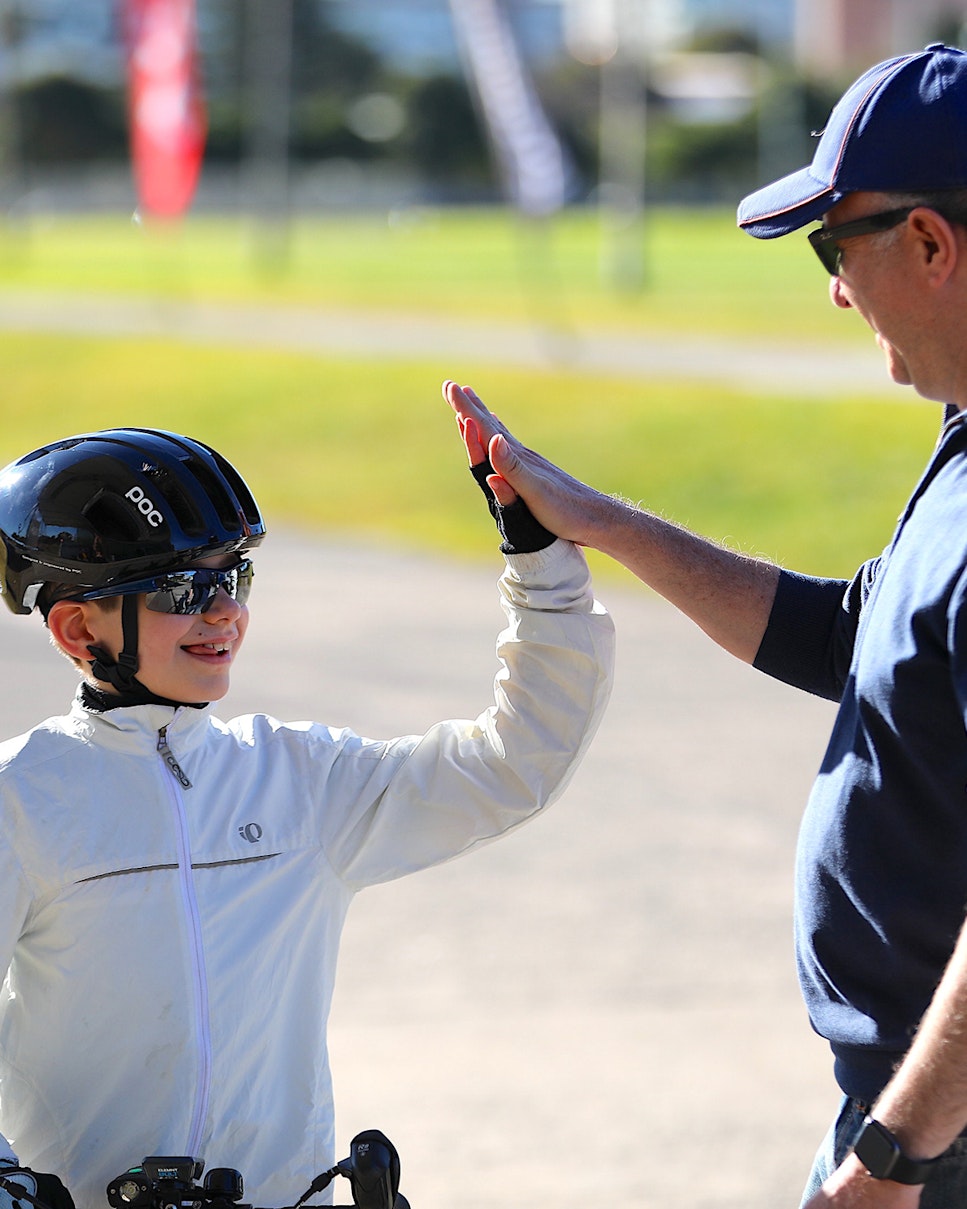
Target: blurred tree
(68,121)
(717,161)
(571,92)
(443,138)
(329,70)
(725,40)
(334,75)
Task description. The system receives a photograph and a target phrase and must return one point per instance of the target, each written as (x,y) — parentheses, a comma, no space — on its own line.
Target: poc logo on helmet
(145,507)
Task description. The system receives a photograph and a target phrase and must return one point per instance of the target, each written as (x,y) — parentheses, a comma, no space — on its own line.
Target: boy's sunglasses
(192,590)
(823,239)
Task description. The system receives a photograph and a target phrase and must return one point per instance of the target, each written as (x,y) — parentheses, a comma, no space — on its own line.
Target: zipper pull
(165,752)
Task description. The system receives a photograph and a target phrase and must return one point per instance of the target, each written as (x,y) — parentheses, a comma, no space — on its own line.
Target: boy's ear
(69,622)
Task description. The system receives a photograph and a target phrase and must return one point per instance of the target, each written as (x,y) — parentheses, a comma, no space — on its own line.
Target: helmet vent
(112,518)
(214,489)
(246,501)
(175,496)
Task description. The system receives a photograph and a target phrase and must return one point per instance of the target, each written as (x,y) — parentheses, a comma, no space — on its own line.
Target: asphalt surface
(600,1009)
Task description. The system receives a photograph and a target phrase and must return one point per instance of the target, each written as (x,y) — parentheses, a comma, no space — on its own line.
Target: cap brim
(786,205)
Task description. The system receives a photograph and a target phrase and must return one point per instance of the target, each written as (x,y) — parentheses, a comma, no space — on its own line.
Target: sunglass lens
(242,582)
(194,591)
(181,592)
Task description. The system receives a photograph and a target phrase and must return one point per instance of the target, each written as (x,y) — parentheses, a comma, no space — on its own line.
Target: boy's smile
(183,657)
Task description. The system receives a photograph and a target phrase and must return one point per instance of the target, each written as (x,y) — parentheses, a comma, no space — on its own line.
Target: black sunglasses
(192,590)
(823,239)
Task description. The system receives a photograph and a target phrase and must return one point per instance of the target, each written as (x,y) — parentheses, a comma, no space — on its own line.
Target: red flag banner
(165,106)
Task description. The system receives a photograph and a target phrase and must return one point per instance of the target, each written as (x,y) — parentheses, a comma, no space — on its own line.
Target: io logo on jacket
(251,832)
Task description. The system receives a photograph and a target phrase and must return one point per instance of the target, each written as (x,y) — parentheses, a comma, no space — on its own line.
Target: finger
(504,493)
(461,396)
(456,397)
(476,450)
(497,423)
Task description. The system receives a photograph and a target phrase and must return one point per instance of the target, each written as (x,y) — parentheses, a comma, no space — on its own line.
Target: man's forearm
(925,1104)
(727,594)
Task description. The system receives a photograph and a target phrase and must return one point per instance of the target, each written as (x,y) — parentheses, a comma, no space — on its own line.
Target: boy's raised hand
(566,506)
(482,435)
(477,428)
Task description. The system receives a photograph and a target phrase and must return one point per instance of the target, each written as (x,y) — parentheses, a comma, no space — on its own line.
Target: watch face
(877,1150)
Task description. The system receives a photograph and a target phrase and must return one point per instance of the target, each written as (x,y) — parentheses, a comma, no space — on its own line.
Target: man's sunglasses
(823,239)
(190,591)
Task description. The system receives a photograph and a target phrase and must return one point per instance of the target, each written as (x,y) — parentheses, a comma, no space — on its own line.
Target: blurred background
(348,194)
(390,103)
(278,225)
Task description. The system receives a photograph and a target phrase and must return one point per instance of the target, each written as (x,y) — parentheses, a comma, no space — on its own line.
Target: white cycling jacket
(173,888)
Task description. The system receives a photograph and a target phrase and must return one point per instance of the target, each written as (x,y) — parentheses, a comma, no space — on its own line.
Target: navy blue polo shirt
(881,872)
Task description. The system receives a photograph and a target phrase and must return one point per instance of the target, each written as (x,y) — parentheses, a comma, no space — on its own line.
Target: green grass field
(367,445)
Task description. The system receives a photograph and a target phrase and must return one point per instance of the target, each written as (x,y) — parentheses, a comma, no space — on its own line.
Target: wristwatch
(879,1152)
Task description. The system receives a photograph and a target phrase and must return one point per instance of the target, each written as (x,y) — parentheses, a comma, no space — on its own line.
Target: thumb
(502,457)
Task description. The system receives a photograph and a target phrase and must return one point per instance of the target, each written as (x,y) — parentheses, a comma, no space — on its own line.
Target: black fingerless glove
(521,531)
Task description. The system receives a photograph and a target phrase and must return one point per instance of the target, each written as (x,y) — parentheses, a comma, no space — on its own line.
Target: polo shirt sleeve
(808,642)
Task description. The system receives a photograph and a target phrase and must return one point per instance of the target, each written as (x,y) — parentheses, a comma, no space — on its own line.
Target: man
(882,866)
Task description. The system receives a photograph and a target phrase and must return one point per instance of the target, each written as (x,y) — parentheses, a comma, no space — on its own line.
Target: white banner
(531,159)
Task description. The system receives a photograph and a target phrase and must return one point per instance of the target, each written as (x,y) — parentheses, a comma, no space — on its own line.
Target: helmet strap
(120,672)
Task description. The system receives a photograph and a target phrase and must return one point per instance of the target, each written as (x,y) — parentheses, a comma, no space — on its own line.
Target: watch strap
(882,1156)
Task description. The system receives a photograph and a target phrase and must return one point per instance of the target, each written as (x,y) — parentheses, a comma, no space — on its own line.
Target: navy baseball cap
(901,128)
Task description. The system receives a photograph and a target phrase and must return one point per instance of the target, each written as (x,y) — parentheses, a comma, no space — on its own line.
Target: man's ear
(69,622)
(938,243)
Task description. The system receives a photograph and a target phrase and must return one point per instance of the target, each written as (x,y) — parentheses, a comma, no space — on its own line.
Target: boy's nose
(223,605)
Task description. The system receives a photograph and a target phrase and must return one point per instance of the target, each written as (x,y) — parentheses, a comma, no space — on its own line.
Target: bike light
(129,1191)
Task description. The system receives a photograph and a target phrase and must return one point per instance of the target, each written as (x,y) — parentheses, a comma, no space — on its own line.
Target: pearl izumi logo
(145,506)
(251,832)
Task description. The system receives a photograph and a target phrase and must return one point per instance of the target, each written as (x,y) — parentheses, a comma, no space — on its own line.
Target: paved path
(600,1009)
(801,370)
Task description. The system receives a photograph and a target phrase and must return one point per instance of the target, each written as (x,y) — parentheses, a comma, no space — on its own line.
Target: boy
(173,887)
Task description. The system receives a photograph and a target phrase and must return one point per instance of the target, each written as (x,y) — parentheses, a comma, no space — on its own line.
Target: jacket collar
(141,724)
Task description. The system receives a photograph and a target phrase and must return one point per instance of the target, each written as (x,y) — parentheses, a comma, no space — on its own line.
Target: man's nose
(837,294)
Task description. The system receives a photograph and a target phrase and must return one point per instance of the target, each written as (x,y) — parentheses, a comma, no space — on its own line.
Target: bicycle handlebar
(164,1182)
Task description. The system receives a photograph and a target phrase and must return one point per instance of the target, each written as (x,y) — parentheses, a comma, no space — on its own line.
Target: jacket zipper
(165,752)
(190,902)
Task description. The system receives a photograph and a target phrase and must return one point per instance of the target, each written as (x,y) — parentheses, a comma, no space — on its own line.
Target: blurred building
(840,37)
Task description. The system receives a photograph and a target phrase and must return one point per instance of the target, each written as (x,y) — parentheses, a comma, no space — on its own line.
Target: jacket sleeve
(811,632)
(420,800)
